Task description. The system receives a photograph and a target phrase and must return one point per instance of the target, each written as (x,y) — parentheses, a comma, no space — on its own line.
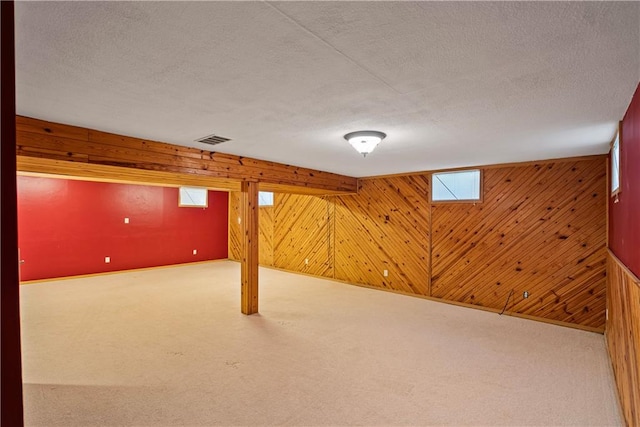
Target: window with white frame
(193,197)
(615,165)
(454,186)
(265,198)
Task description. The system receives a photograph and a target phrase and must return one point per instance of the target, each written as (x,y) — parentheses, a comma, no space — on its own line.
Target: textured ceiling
(451,83)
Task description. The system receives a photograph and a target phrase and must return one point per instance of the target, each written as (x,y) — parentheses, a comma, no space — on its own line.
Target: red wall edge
(624,216)
(68,227)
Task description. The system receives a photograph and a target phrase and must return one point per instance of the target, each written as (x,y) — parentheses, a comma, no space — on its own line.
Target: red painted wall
(67,227)
(624,216)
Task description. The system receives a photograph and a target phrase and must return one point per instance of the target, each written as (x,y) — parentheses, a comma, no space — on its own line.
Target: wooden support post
(250,254)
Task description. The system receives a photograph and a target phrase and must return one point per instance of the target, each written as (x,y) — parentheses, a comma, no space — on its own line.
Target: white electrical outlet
(195,251)
(306,261)
(239,220)
(126,220)
(107,259)
(525,295)
(385,273)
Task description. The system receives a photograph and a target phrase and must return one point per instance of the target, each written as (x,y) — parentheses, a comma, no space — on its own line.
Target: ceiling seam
(335,49)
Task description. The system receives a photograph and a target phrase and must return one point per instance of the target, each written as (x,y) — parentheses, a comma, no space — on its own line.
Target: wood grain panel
(303,230)
(385,227)
(265,219)
(623,336)
(541,229)
(70,144)
(266,215)
(49,167)
(250,248)
(235,225)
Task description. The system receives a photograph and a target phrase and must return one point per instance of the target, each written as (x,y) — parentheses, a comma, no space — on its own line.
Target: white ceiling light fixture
(365,141)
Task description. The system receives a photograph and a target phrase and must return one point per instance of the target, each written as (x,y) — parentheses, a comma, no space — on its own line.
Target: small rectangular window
(615,165)
(193,197)
(456,186)
(265,198)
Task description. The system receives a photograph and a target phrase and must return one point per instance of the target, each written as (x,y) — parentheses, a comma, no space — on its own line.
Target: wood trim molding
(59,149)
(617,136)
(491,166)
(450,302)
(623,267)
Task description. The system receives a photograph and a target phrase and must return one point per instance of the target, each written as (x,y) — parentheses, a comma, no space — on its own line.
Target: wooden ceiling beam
(57,149)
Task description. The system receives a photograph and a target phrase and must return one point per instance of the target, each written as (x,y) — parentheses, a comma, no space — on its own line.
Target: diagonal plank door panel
(385,227)
(303,232)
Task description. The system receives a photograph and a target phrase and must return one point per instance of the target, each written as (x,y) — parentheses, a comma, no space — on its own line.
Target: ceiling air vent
(213,139)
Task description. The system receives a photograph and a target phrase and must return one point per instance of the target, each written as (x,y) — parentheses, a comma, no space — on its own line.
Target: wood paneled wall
(303,230)
(623,336)
(385,227)
(540,228)
(296,229)
(235,226)
(266,235)
(265,242)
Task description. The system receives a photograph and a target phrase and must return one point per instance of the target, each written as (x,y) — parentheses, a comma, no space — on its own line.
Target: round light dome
(365,141)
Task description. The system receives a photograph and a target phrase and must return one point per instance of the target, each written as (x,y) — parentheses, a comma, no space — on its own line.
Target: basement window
(615,165)
(265,198)
(456,186)
(193,197)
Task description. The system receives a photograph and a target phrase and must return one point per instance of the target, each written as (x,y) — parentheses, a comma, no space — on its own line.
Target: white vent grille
(213,139)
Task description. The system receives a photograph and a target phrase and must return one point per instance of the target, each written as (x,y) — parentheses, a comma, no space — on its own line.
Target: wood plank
(303,234)
(235,226)
(250,248)
(55,141)
(42,127)
(266,217)
(52,167)
(623,335)
(302,189)
(48,153)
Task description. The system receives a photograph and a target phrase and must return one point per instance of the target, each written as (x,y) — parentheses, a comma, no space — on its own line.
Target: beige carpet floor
(170,347)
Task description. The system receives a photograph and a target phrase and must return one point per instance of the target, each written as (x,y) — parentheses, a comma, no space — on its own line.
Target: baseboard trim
(106,273)
(442,300)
